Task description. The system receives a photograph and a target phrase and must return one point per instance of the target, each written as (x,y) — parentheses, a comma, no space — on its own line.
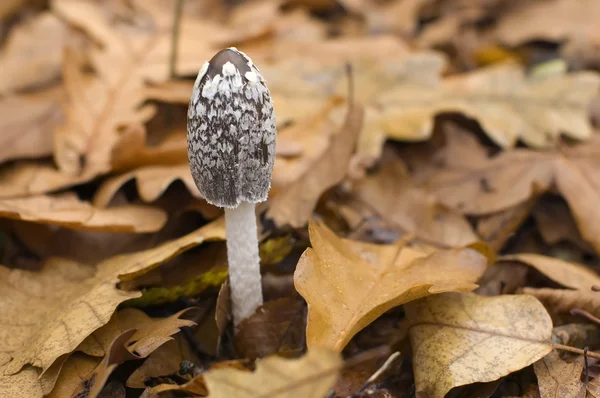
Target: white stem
(244,261)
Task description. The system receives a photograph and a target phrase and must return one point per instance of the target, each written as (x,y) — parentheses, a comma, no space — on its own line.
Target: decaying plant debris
(432,227)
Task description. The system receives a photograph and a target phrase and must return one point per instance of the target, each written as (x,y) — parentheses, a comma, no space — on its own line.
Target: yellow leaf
(392,193)
(562,301)
(295,204)
(310,376)
(151,183)
(32,54)
(555,20)
(68,211)
(512,177)
(558,379)
(455,337)
(508,106)
(348,284)
(28,122)
(150,333)
(26,178)
(49,313)
(575,276)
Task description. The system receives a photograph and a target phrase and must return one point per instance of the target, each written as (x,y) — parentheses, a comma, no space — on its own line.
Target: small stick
(585,361)
(576,350)
(175,38)
(585,314)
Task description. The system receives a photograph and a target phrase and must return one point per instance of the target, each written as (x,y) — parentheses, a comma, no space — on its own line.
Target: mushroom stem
(244,261)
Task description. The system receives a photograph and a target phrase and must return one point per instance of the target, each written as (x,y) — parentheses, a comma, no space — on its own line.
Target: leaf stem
(575,350)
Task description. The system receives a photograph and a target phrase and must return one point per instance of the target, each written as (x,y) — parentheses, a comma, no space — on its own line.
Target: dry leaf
(277,327)
(348,284)
(61,305)
(84,143)
(497,228)
(33,54)
(28,123)
(66,302)
(554,20)
(92,383)
(187,275)
(562,301)
(573,275)
(559,379)
(132,152)
(197,385)
(77,367)
(166,360)
(513,177)
(25,384)
(151,183)
(391,192)
(32,178)
(68,211)
(295,204)
(127,59)
(313,375)
(556,224)
(150,334)
(454,337)
(508,105)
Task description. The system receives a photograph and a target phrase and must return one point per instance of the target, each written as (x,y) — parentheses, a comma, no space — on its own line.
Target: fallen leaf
(562,301)
(348,284)
(313,135)
(554,20)
(514,176)
(187,275)
(9,7)
(84,246)
(84,143)
(497,228)
(454,335)
(164,361)
(593,388)
(558,378)
(92,383)
(67,210)
(24,178)
(32,54)
(555,223)
(391,192)
(295,204)
(126,60)
(132,151)
(197,385)
(28,124)
(577,335)
(151,183)
(73,373)
(24,384)
(277,327)
(313,375)
(508,105)
(150,334)
(573,275)
(66,302)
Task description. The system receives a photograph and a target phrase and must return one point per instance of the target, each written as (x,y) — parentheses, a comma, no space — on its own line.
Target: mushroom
(231,149)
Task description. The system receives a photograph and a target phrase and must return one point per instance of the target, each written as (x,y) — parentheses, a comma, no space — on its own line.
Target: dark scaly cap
(231,131)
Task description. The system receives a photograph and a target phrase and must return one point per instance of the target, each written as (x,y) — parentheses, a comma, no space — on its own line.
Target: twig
(379,372)
(585,361)
(175,38)
(575,350)
(585,314)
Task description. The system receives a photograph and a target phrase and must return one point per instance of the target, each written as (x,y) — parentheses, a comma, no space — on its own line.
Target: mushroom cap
(231,131)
